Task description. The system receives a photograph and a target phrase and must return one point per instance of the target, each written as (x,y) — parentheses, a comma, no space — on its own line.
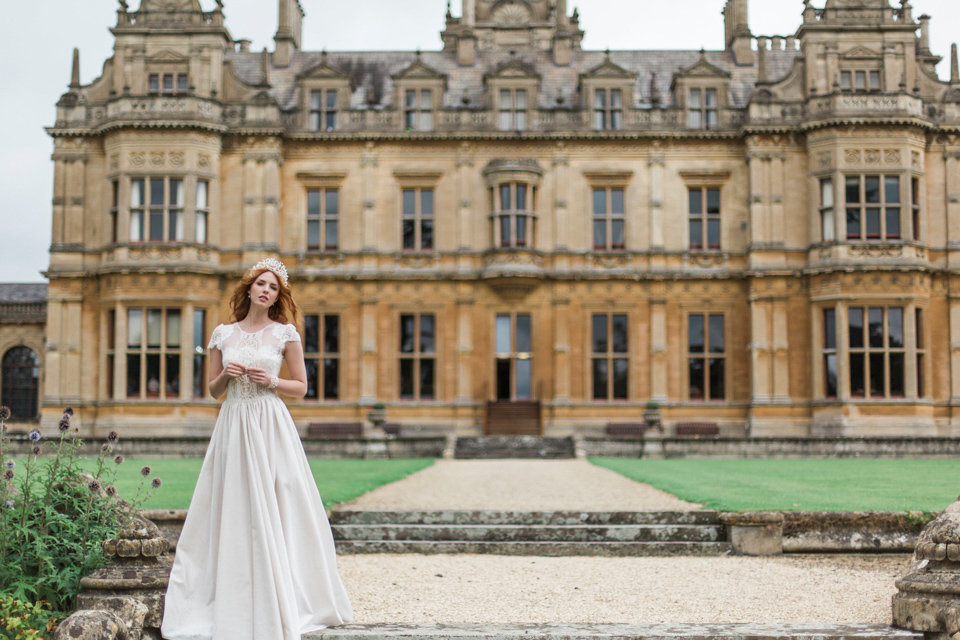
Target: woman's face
(265,290)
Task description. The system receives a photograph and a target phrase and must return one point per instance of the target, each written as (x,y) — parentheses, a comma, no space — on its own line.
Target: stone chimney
(75,71)
(737,38)
(289,32)
(562,40)
(924,47)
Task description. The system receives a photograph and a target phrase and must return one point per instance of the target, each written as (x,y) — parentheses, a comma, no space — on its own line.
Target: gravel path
(518,485)
(500,589)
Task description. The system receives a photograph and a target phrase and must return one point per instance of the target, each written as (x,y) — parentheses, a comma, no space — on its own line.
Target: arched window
(21,383)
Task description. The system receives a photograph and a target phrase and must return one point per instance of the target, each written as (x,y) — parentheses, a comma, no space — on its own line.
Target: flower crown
(276,267)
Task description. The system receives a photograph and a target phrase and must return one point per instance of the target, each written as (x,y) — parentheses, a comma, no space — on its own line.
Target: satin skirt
(256,559)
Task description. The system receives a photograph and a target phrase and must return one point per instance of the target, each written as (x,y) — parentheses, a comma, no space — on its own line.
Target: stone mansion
(514,234)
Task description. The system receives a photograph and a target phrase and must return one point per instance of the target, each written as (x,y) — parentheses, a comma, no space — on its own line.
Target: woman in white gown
(256,559)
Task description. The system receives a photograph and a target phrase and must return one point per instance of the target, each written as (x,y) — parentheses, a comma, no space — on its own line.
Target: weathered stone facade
(763,239)
(23,314)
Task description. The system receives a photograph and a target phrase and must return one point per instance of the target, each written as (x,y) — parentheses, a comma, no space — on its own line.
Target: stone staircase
(535,533)
(529,447)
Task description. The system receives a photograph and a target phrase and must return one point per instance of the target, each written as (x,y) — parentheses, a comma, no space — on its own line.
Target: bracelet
(274,381)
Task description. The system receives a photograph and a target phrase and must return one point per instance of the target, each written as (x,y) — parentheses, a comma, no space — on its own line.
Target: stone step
(495,447)
(545,549)
(615,632)
(526,533)
(510,454)
(555,518)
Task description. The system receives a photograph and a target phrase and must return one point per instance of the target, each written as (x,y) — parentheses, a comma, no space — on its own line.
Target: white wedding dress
(256,559)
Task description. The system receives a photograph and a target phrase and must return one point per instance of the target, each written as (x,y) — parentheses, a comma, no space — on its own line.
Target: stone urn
(653,417)
(928,597)
(124,599)
(377,415)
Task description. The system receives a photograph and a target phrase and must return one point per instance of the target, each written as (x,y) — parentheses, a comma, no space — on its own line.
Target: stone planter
(753,533)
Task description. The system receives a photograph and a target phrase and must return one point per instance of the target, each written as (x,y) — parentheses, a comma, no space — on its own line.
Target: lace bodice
(263,350)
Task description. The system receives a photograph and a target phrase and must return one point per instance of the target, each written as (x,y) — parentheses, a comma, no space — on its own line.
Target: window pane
(891,188)
(616,201)
(897,375)
(333,203)
(826,222)
(829,329)
(860,78)
(826,193)
(599,120)
(599,201)
(617,235)
(134,327)
(426,234)
(133,376)
(154,83)
(524,378)
(506,120)
(873,223)
(695,120)
(197,376)
(176,193)
(716,334)
(846,82)
(600,379)
(620,375)
(407,333)
(426,202)
(919,327)
(696,234)
(331,99)
(871,189)
(331,334)
(875,319)
(427,333)
(717,378)
(853,190)
(172,381)
(711,97)
(895,327)
(427,379)
(202,194)
(136,193)
(520,99)
(695,99)
(168,82)
(409,234)
(409,202)
(505,239)
(877,375)
(713,201)
(313,234)
(874,80)
(857,376)
(620,333)
(893,223)
(504,344)
(521,197)
(521,231)
(600,234)
(853,223)
(426,120)
(154,319)
(411,98)
(311,334)
(407,381)
(173,328)
(830,366)
(523,333)
(156,224)
(312,366)
(920,376)
(855,321)
(616,99)
(505,201)
(599,99)
(600,334)
(696,377)
(695,333)
(313,203)
(331,379)
(713,234)
(156,192)
(153,375)
(330,228)
(696,201)
(521,120)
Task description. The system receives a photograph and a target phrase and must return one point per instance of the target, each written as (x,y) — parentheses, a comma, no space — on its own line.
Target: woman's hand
(235,370)
(259,376)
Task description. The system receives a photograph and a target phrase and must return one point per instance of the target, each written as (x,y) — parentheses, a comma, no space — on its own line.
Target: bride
(256,558)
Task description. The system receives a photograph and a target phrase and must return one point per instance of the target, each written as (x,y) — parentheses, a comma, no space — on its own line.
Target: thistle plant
(54,515)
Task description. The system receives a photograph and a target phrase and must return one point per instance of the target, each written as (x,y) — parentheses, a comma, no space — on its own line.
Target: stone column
(759,227)
(119,347)
(954,349)
(781,352)
(760,351)
(186,352)
(270,236)
(777,221)
(561,350)
(561,201)
(658,350)
(252,219)
(465,208)
(368,189)
(368,348)
(465,355)
(657,165)
(59,199)
(952,188)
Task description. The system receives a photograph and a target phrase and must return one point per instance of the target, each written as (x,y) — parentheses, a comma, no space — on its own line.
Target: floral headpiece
(274,265)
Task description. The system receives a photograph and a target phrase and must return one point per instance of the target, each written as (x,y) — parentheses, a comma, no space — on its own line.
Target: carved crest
(860,53)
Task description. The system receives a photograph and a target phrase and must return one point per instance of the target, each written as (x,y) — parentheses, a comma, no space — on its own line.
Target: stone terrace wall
(780,447)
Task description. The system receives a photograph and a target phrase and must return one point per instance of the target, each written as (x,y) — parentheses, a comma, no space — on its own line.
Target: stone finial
(265,68)
(75,71)
(123,6)
(762,61)
(928,597)
(954,67)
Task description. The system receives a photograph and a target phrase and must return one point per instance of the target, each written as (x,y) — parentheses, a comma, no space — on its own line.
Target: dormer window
(168,83)
(513,109)
(418,110)
(419,92)
(323,110)
(860,81)
(702,108)
(607,109)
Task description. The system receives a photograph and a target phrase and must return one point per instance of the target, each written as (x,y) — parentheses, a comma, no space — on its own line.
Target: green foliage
(21,620)
(800,484)
(54,516)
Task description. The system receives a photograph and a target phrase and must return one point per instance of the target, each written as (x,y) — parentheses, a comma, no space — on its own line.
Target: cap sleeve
(291,334)
(218,336)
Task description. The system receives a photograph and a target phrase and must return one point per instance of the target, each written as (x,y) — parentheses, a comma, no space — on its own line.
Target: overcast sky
(38,37)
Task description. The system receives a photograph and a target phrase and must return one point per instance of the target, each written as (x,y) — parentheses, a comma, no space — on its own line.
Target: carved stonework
(416,260)
(872,156)
(891,156)
(876,250)
(915,160)
(611,260)
(852,156)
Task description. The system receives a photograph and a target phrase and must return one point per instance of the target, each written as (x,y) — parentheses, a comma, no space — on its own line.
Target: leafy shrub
(54,517)
(21,620)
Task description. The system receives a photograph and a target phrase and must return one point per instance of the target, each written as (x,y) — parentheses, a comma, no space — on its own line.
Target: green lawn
(798,485)
(338,480)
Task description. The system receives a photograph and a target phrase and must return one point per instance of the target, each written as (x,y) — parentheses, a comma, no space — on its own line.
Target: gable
(703,69)
(418,71)
(325,70)
(168,56)
(608,70)
(860,53)
(513,69)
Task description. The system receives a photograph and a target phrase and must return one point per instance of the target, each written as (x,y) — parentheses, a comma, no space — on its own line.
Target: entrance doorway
(515,411)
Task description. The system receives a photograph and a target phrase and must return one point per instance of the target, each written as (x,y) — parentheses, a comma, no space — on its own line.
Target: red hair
(283,310)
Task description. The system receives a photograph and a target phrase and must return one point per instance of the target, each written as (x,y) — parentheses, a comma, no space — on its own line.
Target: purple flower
(118,459)
(68,411)
(36,451)
(113,436)
(156,482)
(111,490)
(105,448)
(4,413)
(8,474)
(9,464)
(9,504)
(64,424)
(34,435)
(145,470)
(93,485)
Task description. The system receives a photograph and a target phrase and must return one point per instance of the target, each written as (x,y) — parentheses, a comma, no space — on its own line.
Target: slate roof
(372,71)
(19,293)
